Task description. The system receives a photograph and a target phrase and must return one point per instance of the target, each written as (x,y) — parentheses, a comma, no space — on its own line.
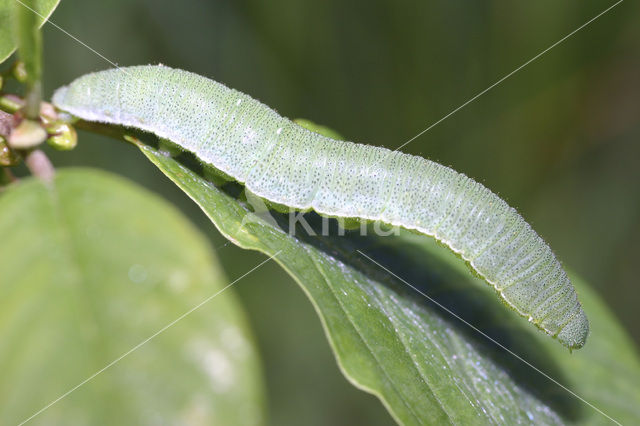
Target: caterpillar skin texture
(282,162)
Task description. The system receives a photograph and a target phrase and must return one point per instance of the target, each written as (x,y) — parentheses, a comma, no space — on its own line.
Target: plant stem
(30,52)
(112,131)
(39,165)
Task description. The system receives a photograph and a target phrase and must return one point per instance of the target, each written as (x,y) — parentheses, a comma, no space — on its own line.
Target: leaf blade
(87,276)
(478,384)
(8,42)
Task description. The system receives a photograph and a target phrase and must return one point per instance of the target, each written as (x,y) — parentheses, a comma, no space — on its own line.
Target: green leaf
(8,42)
(92,266)
(426,366)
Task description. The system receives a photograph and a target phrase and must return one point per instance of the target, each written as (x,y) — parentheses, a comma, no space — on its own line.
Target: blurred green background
(558,140)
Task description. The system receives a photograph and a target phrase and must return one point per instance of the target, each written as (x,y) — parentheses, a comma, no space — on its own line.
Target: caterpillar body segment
(289,165)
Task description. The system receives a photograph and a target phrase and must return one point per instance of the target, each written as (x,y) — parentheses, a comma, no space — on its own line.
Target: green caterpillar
(289,165)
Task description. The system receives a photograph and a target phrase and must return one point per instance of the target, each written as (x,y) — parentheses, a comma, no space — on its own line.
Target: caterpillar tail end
(574,334)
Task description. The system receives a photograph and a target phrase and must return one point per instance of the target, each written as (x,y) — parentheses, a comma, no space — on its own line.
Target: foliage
(8,42)
(425,365)
(91,267)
